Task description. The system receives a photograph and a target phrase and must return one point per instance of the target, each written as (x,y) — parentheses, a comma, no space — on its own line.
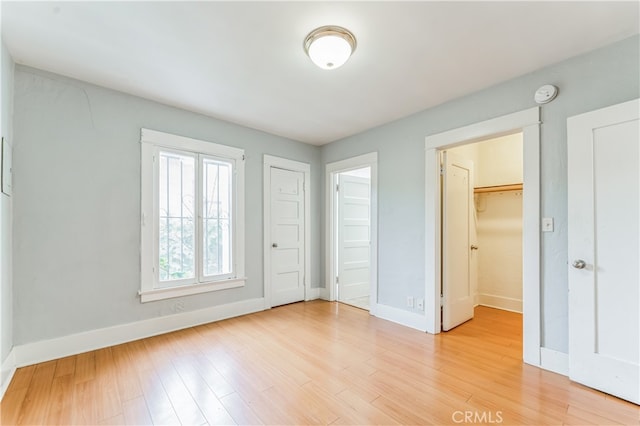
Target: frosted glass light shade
(329,47)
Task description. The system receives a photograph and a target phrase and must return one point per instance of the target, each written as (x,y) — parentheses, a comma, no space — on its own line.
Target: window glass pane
(216,217)
(176,187)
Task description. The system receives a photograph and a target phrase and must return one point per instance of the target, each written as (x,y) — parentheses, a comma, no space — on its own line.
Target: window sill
(187,290)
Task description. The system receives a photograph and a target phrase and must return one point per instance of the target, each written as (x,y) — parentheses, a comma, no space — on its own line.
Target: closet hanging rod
(498,188)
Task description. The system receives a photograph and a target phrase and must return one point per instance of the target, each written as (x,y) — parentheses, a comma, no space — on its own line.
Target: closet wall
(498,221)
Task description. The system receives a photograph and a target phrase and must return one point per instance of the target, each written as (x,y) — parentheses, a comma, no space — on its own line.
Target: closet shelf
(498,188)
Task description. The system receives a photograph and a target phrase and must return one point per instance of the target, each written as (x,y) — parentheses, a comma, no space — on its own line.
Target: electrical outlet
(410,301)
(420,304)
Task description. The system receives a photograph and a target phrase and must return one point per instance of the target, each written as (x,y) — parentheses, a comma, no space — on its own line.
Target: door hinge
(441,170)
(337,280)
(337,188)
(243,157)
(441,300)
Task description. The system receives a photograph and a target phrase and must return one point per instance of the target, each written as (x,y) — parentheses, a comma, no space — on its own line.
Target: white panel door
(287,236)
(457,202)
(354,234)
(604,255)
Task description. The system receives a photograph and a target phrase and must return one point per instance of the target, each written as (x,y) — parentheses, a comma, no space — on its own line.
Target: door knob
(274,245)
(474,247)
(579,264)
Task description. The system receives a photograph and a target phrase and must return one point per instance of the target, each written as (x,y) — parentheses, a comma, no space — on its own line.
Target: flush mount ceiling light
(330,46)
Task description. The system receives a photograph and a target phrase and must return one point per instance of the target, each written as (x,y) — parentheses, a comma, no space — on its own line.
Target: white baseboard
(400,316)
(314,293)
(555,361)
(500,302)
(7,371)
(324,293)
(46,350)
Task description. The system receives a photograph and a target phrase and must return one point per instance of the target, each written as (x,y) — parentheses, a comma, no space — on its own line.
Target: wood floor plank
(136,412)
(210,406)
(115,420)
(22,377)
(242,414)
(126,377)
(36,401)
(237,374)
(414,397)
(160,408)
(358,382)
(66,366)
(60,405)
(107,384)
(85,367)
(285,361)
(260,404)
(355,410)
(12,405)
(310,363)
(86,403)
(139,356)
(322,404)
(589,416)
(298,410)
(183,403)
(405,412)
(211,376)
(186,409)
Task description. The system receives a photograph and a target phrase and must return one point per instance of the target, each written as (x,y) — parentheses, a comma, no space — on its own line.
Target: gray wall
(603,77)
(77,204)
(77,191)
(6,286)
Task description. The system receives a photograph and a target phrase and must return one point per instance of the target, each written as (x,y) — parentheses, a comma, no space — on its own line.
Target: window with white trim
(192,238)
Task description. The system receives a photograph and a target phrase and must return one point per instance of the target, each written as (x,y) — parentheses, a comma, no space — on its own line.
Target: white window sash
(158,284)
(232,217)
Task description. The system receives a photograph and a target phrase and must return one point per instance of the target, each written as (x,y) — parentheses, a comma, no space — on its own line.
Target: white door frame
(527,122)
(294,166)
(332,170)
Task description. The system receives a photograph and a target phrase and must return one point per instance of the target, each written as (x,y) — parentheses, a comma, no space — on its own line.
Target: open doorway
(353,237)
(482,195)
(352,231)
(525,121)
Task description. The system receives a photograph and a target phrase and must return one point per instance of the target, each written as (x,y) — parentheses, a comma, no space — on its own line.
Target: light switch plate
(547,224)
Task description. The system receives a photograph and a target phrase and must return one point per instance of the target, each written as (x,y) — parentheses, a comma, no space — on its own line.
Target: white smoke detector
(546,94)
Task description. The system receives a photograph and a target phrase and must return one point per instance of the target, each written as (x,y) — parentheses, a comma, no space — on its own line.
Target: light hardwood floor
(310,363)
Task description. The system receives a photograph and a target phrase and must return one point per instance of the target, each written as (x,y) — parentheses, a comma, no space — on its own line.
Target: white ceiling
(243,61)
